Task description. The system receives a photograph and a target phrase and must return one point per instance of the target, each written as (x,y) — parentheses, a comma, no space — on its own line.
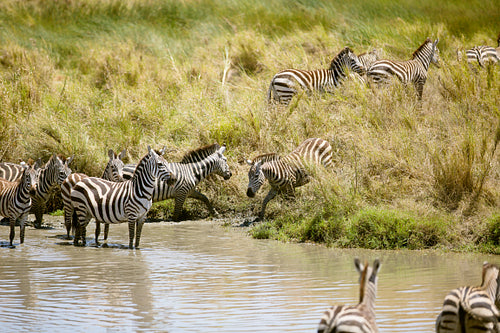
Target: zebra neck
(424,56)
(336,72)
(369,296)
(22,192)
(491,288)
(143,184)
(203,168)
(46,180)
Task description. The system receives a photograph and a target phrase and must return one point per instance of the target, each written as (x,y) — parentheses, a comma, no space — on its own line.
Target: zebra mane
(417,51)
(200,154)
(266,158)
(362,282)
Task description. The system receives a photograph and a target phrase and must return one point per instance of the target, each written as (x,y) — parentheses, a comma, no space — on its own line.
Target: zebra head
(221,166)
(159,167)
(367,276)
(435,54)
(114,168)
(65,171)
(29,178)
(255,178)
(347,58)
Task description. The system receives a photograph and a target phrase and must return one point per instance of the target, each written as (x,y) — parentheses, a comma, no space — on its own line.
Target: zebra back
(12,171)
(316,150)
(200,154)
(360,317)
(368,58)
(472,309)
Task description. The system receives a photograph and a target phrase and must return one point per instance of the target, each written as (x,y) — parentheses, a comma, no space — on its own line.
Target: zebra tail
(270,91)
(74,224)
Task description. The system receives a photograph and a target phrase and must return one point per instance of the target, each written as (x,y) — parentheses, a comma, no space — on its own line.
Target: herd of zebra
(468,309)
(369,69)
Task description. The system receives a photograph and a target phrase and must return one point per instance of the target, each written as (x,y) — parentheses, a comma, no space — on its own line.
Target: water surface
(199,276)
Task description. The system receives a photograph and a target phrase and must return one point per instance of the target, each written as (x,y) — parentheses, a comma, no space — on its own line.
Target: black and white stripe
(472,309)
(110,202)
(286,83)
(53,173)
(15,199)
(286,173)
(112,172)
(358,318)
(12,171)
(194,168)
(411,71)
(481,55)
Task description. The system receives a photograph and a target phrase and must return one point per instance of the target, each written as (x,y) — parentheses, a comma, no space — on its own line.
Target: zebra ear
(162,150)
(149,149)
(435,43)
(38,164)
(122,154)
(376,266)
(111,154)
(359,266)
(222,149)
(249,162)
(70,159)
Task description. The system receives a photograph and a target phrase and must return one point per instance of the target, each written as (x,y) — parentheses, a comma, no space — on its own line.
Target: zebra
(472,309)
(366,59)
(357,318)
(109,202)
(482,55)
(113,172)
(15,200)
(12,171)
(285,84)
(286,173)
(194,167)
(411,71)
(53,173)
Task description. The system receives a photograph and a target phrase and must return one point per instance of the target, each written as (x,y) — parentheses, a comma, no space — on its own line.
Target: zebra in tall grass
(482,55)
(366,59)
(194,167)
(112,172)
(52,174)
(128,201)
(472,309)
(15,200)
(357,318)
(410,71)
(288,172)
(286,83)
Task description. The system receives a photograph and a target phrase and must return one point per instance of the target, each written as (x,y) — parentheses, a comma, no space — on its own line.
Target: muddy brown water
(201,276)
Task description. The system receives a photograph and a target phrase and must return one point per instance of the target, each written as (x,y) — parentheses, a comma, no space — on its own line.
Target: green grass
(82,77)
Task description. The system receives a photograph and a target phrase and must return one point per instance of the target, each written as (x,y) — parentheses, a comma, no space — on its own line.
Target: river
(201,276)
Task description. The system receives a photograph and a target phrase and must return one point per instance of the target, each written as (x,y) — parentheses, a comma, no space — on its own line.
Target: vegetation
(81,77)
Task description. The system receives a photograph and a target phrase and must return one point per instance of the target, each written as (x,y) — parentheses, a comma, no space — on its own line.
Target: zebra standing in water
(472,309)
(113,172)
(53,173)
(285,84)
(358,318)
(110,202)
(411,71)
(286,173)
(15,200)
(194,167)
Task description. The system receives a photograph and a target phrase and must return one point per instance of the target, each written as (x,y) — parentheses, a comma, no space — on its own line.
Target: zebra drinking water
(288,172)
(110,202)
(411,71)
(15,200)
(286,83)
(112,172)
(358,318)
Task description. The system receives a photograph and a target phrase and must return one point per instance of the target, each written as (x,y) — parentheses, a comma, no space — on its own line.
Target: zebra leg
(140,223)
(131,232)
(106,231)
(12,222)
(68,213)
(97,232)
(272,193)
(179,202)
(200,196)
(22,224)
(38,208)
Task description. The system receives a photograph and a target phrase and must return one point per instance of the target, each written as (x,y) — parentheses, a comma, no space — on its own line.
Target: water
(198,276)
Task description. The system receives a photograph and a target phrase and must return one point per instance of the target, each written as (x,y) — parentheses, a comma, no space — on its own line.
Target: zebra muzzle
(250,193)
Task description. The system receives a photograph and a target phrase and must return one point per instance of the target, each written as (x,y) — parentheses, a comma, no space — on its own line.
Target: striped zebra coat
(15,200)
(286,83)
(52,174)
(194,167)
(286,173)
(112,172)
(12,171)
(412,71)
(358,318)
(481,55)
(366,59)
(472,309)
(110,202)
